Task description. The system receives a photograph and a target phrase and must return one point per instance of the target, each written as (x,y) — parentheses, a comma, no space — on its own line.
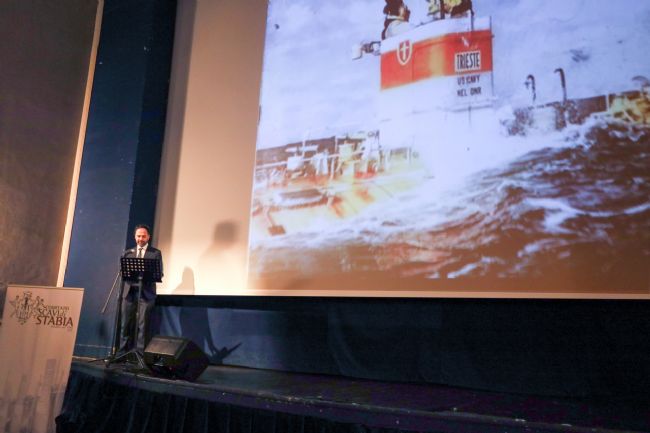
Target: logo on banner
(404,52)
(53,316)
(25,306)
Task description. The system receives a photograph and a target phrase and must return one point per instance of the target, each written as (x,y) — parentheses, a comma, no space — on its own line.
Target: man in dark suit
(130,302)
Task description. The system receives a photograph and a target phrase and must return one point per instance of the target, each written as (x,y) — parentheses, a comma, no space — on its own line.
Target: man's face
(141,237)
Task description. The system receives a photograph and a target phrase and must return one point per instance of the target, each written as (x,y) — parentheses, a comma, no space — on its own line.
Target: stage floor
(400,406)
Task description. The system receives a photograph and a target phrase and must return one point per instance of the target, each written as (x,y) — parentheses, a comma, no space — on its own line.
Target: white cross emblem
(404,52)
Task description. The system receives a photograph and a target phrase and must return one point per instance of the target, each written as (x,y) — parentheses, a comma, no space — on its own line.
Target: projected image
(486,145)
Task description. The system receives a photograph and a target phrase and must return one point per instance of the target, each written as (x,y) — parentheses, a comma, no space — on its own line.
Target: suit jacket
(148,289)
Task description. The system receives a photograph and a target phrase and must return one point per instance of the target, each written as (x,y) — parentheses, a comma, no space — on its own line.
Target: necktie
(140,252)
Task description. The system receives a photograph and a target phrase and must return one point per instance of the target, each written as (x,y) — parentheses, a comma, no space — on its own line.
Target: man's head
(142,234)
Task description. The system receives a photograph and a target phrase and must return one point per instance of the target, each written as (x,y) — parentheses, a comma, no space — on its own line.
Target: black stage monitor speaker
(175,357)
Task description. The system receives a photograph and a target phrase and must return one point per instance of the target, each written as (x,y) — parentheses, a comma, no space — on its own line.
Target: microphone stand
(108,298)
(118,312)
(118,317)
(111,355)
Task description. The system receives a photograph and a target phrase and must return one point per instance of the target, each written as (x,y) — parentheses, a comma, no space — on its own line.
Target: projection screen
(426,148)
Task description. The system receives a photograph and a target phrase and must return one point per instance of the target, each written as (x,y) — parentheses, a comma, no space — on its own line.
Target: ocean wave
(586,194)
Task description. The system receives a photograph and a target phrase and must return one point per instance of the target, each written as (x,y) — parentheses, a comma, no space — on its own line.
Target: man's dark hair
(142,226)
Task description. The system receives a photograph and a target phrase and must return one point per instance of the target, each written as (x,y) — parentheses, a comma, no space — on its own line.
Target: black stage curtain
(584,349)
(94,405)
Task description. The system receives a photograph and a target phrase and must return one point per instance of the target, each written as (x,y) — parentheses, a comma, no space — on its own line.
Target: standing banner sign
(37,337)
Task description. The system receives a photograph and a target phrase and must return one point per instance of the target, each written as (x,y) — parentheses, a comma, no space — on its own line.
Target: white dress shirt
(139,251)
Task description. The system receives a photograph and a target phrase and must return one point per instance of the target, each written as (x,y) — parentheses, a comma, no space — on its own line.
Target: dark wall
(45,50)
(120,166)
